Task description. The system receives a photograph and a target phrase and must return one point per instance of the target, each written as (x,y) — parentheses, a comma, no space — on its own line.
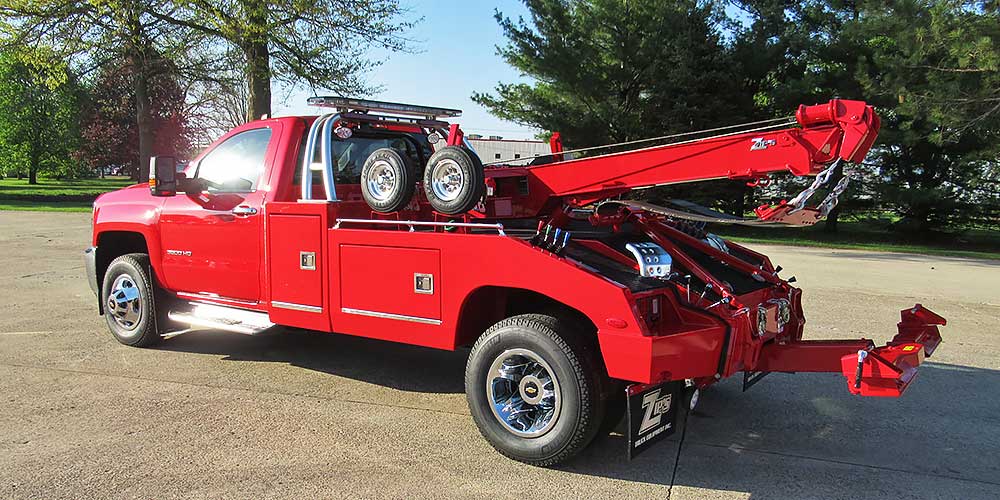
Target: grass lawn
(46,206)
(80,190)
(871,235)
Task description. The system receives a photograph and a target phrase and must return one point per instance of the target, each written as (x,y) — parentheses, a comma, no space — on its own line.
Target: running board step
(213,317)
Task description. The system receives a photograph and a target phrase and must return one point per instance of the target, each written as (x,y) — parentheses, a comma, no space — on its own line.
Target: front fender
(130,210)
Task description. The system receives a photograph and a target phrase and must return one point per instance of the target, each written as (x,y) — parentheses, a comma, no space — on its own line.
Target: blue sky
(456,44)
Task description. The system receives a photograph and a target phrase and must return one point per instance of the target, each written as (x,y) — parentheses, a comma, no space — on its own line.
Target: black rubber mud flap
(652,414)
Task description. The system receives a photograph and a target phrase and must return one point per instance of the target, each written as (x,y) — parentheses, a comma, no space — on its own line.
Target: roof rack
(365,106)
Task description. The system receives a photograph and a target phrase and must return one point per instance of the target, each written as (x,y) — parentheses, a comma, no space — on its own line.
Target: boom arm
(838,129)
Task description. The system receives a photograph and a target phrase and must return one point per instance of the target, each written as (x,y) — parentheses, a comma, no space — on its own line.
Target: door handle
(244,211)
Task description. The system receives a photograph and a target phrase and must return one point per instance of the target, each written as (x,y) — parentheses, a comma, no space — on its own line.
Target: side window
(236,164)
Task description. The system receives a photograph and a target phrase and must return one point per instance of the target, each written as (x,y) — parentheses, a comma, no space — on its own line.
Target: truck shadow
(804,436)
(790,436)
(388,364)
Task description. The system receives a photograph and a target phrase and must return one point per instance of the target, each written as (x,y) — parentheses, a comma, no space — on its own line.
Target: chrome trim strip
(412,223)
(401,317)
(296,307)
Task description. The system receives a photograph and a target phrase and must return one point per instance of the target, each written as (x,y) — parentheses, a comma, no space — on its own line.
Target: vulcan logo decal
(760,143)
(656,407)
(179,253)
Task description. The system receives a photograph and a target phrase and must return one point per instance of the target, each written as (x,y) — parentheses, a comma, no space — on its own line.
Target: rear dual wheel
(454,181)
(535,389)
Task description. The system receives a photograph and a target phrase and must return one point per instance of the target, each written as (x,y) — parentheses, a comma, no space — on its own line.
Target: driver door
(212,236)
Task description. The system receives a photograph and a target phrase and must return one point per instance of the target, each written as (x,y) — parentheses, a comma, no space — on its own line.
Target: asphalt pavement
(301,415)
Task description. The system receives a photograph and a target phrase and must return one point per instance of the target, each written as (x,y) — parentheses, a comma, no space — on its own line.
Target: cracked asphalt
(298,415)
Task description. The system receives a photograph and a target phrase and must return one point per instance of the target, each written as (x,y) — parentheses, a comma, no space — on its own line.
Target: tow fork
(887,371)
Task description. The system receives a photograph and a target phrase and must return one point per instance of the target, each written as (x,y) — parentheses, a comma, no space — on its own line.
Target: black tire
(574,367)
(131,318)
(469,175)
(388,180)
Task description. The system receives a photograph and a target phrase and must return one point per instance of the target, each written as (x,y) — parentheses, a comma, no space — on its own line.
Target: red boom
(838,129)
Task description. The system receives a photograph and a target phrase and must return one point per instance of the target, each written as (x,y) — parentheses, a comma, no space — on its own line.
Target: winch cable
(773,123)
(681,214)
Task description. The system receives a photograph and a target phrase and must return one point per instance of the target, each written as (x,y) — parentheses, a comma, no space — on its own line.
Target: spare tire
(387,180)
(454,181)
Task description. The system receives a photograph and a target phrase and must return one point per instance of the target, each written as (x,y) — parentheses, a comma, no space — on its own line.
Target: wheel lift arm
(870,371)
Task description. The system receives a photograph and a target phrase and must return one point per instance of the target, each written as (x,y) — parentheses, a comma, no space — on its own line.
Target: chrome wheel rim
(381,180)
(125,302)
(523,393)
(447,180)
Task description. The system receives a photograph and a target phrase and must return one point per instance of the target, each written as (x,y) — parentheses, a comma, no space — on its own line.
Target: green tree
(607,71)
(934,72)
(931,69)
(98,33)
(323,43)
(39,113)
(797,53)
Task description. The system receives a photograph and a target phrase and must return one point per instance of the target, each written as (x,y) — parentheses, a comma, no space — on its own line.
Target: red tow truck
(378,220)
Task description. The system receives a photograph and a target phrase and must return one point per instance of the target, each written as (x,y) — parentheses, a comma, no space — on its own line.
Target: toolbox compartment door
(295,260)
(391,282)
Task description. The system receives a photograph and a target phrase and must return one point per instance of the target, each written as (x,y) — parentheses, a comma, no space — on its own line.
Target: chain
(831,199)
(799,202)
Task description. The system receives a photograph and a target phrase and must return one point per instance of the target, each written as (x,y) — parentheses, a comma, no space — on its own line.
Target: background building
(512,152)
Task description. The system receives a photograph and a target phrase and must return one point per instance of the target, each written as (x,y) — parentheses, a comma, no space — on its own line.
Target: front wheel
(534,389)
(129,306)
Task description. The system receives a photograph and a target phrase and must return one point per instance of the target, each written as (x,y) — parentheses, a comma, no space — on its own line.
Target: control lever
(704,291)
(861,363)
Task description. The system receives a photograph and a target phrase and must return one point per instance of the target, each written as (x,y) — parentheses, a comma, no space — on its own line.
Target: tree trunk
(832,218)
(33,170)
(259,75)
(144,120)
(258,59)
(831,221)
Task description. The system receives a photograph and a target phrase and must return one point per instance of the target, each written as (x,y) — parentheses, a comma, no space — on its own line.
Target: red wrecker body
(298,246)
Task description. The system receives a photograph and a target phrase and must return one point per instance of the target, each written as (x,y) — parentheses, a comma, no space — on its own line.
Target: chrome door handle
(244,210)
